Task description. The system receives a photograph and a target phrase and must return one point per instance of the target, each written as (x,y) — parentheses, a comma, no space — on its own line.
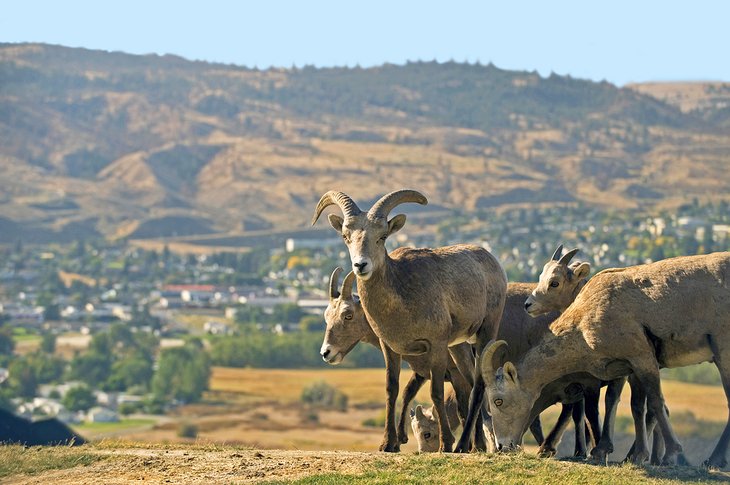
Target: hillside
(99,143)
(121,462)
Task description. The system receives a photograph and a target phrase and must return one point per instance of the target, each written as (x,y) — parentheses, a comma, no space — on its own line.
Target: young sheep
(671,313)
(425,427)
(347,325)
(421,302)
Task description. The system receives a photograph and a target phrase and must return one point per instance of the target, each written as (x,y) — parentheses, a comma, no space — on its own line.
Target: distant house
(216,328)
(101,415)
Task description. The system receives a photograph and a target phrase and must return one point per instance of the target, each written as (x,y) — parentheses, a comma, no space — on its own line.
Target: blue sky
(620,41)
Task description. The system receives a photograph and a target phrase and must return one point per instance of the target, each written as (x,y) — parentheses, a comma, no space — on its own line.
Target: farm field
(261,408)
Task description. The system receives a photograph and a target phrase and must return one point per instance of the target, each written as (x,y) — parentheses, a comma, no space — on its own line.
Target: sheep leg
(536,430)
(414,385)
(657,441)
(392,371)
(639,451)
(604,447)
(464,360)
(476,400)
(722,360)
(592,396)
(648,376)
(462,390)
(549,447)
(579,422)
(438,370)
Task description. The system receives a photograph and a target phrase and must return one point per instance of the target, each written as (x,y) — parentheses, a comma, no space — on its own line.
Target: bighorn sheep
(421,302)
(671,313)
(347,325)
(425,426)
(522,332)
(558,285)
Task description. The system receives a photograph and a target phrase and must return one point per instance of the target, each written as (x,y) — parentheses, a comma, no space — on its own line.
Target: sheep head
(425,429)
(345,318)
(365,233)
(558,283)
(510,403)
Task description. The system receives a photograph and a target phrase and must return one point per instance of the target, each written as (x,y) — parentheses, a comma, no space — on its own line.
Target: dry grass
(120,462)
(285,385)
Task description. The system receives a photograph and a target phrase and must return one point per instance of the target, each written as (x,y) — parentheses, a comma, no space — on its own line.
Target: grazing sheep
(671,313)
(347,325)
(421,302)
(558,285)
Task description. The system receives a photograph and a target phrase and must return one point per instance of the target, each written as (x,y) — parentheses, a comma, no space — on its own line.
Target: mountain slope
(108,143)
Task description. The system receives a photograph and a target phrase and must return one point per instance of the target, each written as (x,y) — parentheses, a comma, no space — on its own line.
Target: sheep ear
(419,412)
(413,412)
(336,222)
(510,373)
(581,271)
(396,224)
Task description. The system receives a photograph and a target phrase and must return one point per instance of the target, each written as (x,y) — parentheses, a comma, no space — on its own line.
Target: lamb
(425,427)
(670,313)
(347,325)
(417,303)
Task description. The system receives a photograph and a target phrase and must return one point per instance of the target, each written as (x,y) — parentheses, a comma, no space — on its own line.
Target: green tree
(22,379)
(91,367)
(79,398)
(7,344)
(48,343)
(133,370)
(182,374)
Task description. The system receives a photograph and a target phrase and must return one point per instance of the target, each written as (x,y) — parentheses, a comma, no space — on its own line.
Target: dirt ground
(182,466)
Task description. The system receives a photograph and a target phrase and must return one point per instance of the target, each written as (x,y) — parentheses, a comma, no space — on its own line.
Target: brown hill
(99,143)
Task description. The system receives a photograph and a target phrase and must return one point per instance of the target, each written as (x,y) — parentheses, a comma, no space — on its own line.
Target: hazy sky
(620,41)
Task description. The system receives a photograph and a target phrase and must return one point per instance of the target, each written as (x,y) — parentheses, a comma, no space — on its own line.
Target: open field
(125,462)
(261,408)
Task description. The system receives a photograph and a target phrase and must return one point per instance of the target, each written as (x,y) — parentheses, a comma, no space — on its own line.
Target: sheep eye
(498,402)
(554,284)
(348,316)
(427,436)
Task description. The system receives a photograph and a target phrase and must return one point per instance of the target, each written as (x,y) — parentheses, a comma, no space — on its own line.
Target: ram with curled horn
(421,302)
(347,325)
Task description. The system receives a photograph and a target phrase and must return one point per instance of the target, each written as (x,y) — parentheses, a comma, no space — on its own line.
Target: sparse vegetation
(325,396)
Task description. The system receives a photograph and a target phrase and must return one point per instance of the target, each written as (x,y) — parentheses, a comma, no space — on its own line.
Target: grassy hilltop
(120,462)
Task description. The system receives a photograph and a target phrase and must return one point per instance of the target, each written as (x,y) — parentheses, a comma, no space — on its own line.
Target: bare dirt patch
(192,465)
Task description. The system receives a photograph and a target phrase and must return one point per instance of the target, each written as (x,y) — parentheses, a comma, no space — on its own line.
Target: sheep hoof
(462,449)
(546,452)
(600,455)
(638,458)
(389,447)
(715,463)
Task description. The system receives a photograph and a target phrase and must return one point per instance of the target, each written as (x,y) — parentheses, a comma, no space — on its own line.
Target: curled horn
(568,256)
(487,364)
(388,202)
(333,283)
(348,206)
(557,253)
(346,291)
